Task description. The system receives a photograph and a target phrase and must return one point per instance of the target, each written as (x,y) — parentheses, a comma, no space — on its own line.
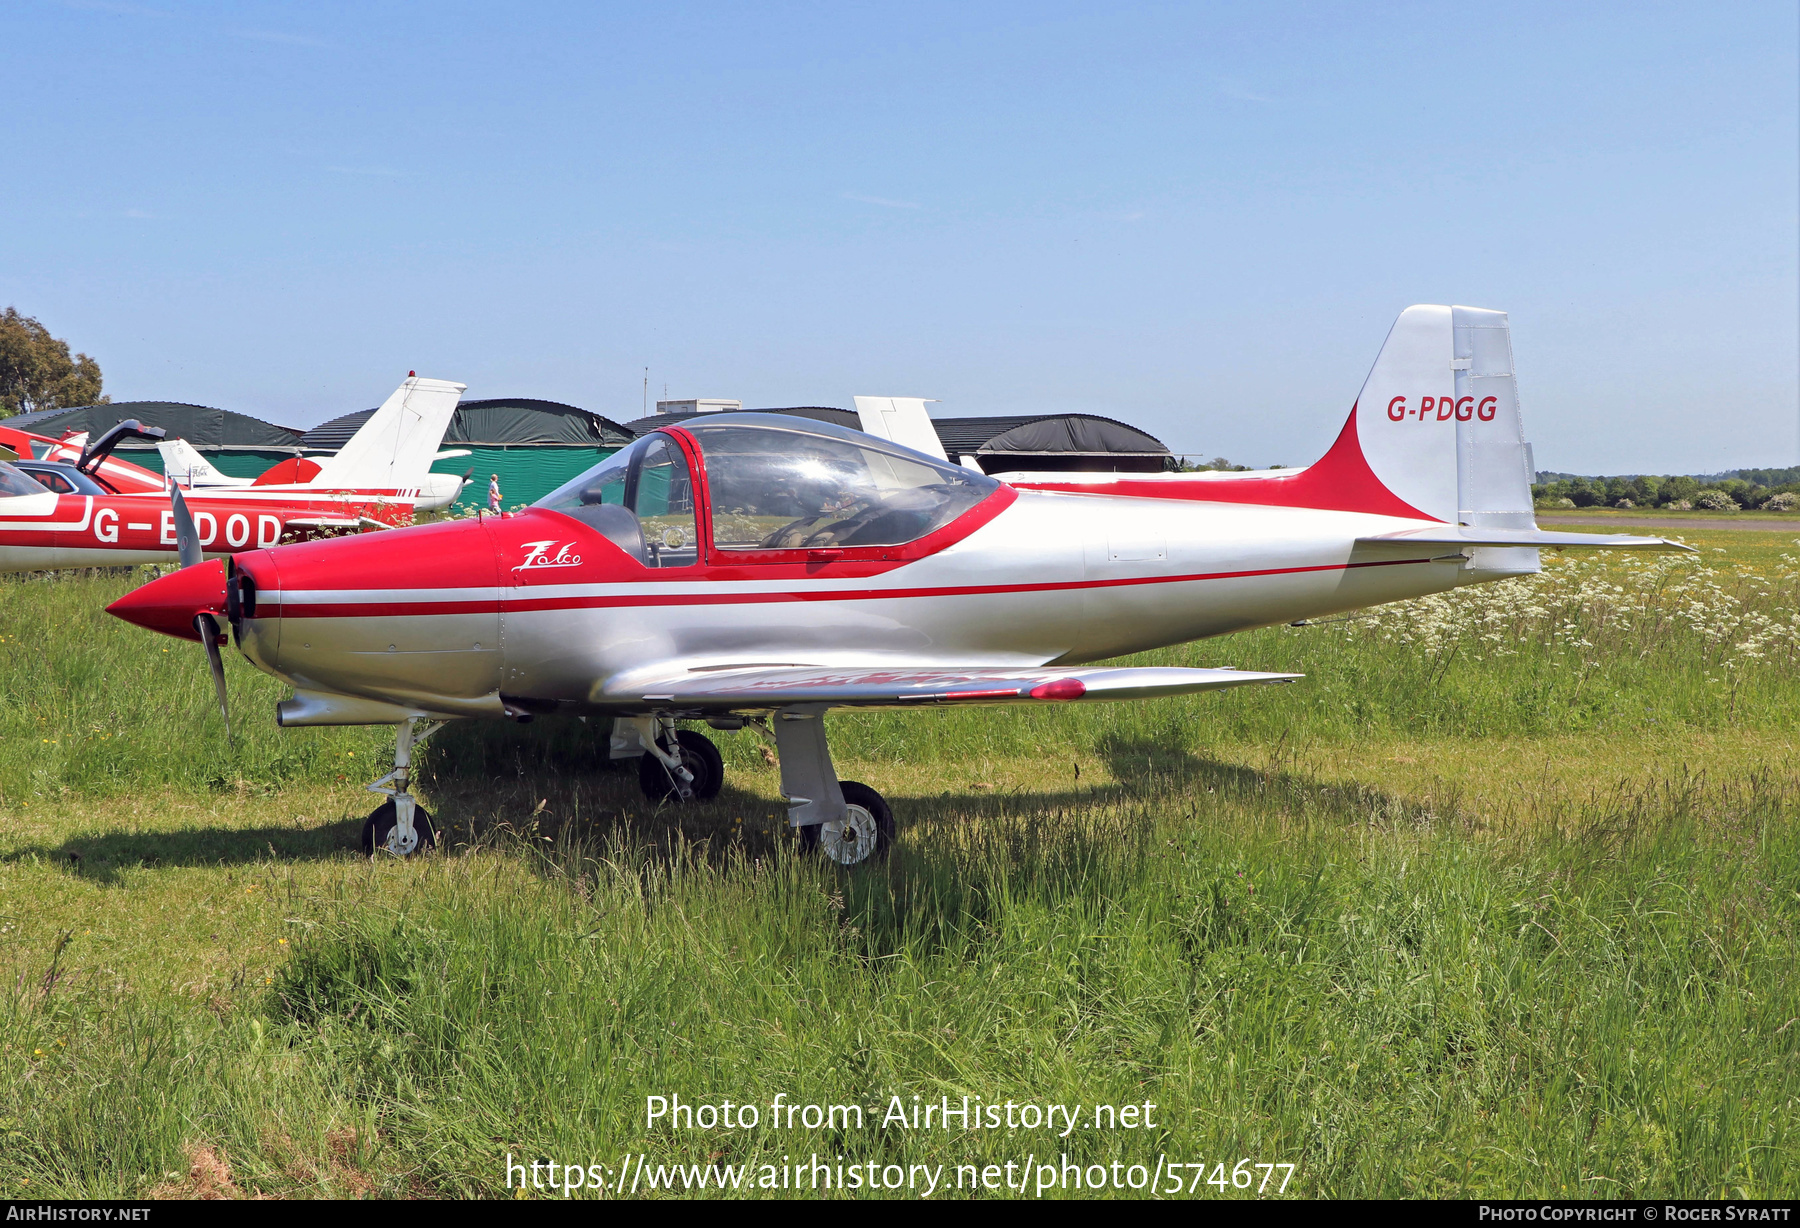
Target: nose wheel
(400,825)
(382,833)
(695,775)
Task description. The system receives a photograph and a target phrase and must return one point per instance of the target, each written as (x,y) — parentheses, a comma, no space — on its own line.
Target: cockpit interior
(772,484)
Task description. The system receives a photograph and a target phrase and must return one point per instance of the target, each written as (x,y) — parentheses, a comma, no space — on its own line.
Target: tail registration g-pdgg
(746,568)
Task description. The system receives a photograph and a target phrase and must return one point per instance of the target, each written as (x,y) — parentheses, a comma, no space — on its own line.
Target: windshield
(641,498)
(787,487)
(604,483)
(13,482)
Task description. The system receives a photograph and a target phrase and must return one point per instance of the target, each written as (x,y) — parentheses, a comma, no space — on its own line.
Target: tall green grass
(1583,991)
(1390,999)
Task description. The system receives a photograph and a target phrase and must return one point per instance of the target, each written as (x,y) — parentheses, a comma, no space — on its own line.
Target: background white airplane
(192,471)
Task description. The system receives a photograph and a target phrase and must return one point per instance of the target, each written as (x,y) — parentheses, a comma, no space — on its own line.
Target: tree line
(1774,490)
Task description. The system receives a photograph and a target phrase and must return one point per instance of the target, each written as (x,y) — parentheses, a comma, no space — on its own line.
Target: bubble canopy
(778,483)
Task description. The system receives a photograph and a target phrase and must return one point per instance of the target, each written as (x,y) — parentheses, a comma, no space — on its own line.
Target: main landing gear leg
(400,826)
(849,822)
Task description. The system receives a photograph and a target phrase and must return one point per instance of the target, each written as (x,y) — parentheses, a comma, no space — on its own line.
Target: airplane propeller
(206,626)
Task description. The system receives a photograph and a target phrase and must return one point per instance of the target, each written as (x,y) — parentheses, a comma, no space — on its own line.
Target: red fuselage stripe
(522,603)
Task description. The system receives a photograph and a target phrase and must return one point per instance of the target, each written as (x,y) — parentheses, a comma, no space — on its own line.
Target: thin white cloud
(381,172)
(278,36)
(139,213)
(882,201)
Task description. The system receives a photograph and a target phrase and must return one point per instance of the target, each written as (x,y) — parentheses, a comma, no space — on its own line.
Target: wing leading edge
(780,686)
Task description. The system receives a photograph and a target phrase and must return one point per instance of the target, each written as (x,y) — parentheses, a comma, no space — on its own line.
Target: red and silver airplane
(759,569)
(100,511)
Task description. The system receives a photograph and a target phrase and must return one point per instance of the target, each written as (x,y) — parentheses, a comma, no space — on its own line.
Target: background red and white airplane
(742,567)
(109,517)
(193,472)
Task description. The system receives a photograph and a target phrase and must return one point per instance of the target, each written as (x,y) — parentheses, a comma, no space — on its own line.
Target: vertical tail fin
(1438,418)
(901,420)
(394,449)
(189,468)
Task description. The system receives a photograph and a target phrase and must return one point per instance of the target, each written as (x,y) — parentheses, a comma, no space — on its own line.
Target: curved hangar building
(234,443)
(536,445)
(1056,443)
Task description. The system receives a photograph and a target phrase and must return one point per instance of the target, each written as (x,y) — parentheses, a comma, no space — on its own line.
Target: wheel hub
(851,839)
(401,845)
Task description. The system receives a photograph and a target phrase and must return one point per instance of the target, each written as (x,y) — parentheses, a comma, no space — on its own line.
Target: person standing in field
(494,493)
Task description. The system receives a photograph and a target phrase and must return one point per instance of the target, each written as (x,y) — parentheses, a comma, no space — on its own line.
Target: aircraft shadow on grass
(483,787)
(1145,771)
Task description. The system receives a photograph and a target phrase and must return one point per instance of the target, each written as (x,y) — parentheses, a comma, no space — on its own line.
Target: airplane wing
(1457,535)
(765,687)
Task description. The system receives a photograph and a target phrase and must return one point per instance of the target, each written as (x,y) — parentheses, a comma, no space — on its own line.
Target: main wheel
(865,833)
(378,831)
(698,755)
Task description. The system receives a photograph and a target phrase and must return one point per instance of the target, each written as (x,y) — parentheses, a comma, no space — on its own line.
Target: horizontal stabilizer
(779,686)
(1456,535)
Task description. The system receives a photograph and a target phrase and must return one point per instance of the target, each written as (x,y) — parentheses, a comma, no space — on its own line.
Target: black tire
(377,826)
(857,794)
(698,755)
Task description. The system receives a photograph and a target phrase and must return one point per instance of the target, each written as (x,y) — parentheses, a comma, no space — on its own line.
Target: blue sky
(1199,218)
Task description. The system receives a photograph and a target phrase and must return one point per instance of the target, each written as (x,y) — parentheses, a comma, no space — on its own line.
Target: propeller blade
(187,537)
(208,628)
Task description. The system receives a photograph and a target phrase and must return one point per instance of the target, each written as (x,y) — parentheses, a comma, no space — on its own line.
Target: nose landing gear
(400,826)
(691,770)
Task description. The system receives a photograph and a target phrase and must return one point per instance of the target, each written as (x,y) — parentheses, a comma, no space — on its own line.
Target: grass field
(1501,900)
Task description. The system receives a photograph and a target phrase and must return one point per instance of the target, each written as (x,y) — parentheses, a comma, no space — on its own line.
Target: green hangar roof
(201,425)
(504,422)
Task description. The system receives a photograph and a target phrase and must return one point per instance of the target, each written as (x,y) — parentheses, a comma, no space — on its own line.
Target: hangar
(1053,443)
(235,443)
(535,446)
(1039,442)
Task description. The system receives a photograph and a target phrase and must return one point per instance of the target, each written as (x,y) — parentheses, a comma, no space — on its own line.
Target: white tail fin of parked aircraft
(394,449)
(189,468)
(901,420)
